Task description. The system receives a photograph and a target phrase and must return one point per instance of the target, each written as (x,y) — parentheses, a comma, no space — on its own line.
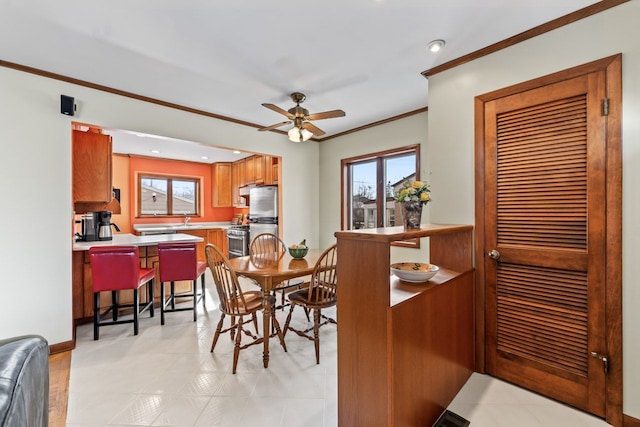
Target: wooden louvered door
(545,218)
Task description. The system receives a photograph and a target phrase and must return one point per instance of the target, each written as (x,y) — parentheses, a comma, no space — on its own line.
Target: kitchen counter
(170,228)
(132,239)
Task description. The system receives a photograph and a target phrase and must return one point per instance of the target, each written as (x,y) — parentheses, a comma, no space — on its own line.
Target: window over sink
(160,195)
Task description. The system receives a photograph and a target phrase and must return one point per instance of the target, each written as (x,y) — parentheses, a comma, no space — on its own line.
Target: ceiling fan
(302,128)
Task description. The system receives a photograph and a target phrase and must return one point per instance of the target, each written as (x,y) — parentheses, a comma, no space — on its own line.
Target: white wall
(408,131)
(35,169)
(451,96)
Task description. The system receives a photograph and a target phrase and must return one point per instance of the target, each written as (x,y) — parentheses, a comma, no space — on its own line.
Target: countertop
(168,228)
(132,239)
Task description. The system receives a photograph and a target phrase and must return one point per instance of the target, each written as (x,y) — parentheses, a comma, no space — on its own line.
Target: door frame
(612,66)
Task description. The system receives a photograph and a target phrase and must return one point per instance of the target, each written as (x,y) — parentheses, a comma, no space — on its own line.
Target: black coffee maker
(104,225)
(89,227)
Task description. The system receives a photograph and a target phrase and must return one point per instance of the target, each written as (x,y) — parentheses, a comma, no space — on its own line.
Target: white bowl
(415,272)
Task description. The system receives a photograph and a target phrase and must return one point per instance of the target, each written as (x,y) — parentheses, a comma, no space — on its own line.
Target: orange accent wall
(179,168)
(121,180)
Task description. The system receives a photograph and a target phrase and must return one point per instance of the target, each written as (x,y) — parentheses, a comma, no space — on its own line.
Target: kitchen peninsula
(81,271)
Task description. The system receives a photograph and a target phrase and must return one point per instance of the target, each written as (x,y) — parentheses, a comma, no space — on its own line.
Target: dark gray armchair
(24,382)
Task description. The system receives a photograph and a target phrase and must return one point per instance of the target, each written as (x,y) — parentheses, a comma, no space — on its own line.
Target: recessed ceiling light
(204,158)
(435,45)
(236,152)
(155,151)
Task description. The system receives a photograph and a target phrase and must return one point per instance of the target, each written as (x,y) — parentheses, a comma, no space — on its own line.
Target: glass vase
(411,214)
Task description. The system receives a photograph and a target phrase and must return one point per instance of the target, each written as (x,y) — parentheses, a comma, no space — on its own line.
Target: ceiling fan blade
(277,125)
(326,115)
(316,131)
(278,110)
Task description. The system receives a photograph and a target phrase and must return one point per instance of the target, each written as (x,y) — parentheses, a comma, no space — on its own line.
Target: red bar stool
(117,268)
(179,261)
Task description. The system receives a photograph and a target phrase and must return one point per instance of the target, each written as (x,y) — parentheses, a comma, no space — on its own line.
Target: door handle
(494,254)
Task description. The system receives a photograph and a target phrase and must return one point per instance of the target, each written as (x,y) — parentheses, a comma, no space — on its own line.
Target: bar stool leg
(136,308)
(114,305)
(194,285)
(173,296)
(162,302)
(96,315)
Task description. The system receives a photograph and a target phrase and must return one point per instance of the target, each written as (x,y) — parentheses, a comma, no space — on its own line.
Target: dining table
(268,271)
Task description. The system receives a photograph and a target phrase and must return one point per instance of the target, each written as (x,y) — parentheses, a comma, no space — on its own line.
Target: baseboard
(629,421)
(62,347)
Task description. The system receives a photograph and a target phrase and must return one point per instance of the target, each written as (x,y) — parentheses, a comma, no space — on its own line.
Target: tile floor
(166,376)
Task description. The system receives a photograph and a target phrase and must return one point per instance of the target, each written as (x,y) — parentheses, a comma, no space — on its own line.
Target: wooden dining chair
(320,293)
(267,244)
(237,304)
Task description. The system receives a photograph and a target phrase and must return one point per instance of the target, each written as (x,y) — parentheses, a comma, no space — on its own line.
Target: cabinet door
(250,169)
(242,175)
(259,168)
(221,185)
(92,167)
(235,184)
(218,237)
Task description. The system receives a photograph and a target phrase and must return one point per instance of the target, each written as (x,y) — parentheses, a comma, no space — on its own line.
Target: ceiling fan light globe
(294,134)
(306,134)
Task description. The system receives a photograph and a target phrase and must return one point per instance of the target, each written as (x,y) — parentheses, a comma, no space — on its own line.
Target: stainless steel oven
(238,240)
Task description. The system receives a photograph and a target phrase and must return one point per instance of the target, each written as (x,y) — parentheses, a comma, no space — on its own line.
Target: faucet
(186,219)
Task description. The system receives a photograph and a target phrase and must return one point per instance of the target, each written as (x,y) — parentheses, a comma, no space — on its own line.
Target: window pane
(396,170)
(363,195)
(184,197)
(153,196)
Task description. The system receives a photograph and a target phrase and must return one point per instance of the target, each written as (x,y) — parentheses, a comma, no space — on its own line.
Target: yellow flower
(424,197)
(417,184)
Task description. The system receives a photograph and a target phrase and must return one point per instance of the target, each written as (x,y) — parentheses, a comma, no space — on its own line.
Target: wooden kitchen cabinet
(250,170)
(235,184)
(242,175)
(259,170)
(217,236)
(92,167)
(221,184)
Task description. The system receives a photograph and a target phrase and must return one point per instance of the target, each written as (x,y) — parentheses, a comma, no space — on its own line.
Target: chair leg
(232,332)
(316,334)
(255,322)
(96,315)
(162,303)
(204,291)
(217,334)
(286,323)
(136,308)
(173,295)
(114,305)
(195,299)
(236,348)
(280,334)
(150,286)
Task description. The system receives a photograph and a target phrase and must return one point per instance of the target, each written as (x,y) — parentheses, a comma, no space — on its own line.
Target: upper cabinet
(92,172)
(221,178)
(228,178)
(92,167)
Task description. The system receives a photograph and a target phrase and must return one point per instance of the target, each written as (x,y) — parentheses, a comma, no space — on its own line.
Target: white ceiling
(228,57)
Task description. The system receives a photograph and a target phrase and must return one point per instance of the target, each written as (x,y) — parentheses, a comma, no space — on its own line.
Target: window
(369,184)
(168,196)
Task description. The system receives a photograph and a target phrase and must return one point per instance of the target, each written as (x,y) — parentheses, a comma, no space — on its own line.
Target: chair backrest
(178,261)
(114,267)
(267,243)
(324,278)
(226,281)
